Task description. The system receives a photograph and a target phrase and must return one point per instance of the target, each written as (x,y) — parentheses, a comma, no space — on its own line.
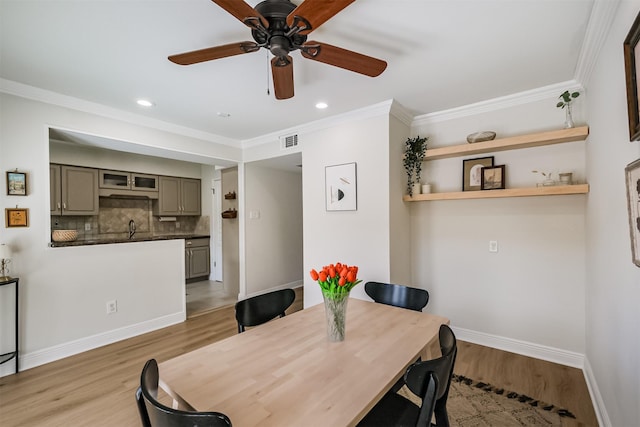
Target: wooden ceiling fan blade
(282,71)
(241,11)
(316,12)
(343,58)
(212,53)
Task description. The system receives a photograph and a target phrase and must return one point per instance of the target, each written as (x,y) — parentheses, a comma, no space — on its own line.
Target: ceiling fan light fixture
(144,103)
(321,105)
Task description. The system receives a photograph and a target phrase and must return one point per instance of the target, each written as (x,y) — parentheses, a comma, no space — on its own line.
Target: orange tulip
(343,272)
(351,276)
(314,274)
(342,281)
(332,272)
(322,276)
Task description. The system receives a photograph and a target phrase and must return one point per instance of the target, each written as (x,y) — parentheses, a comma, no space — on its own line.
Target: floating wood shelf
(511,143)
(556,190)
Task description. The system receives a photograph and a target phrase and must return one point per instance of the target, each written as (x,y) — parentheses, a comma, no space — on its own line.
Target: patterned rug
(472,403)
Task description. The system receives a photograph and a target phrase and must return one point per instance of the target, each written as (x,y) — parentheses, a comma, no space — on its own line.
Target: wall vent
(289,141)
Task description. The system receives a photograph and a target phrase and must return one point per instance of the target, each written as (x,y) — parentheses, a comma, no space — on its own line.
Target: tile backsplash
(115,214)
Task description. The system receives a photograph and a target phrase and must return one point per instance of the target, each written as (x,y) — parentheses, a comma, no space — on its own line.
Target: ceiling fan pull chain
(268,93)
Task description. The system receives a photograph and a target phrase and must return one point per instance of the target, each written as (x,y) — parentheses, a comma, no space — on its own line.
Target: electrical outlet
(177,224)
(87,226)
(112,307)
(493,246)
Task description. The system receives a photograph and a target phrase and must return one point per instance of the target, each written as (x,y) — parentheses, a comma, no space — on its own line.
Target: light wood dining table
(286,372)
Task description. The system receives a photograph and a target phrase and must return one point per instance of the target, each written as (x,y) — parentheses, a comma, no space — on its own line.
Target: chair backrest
(397,295)
(159,415)
(428,400)
(260,309)
(443,369)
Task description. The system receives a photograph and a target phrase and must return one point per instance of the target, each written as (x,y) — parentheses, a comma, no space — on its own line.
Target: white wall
(358,237)
(273,236)
(532,290)
(231,234)
(64,290)
(613,282)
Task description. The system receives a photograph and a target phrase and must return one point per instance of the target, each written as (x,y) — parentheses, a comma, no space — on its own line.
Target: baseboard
(596,397)
(51,354)
(290,285)
(537,351)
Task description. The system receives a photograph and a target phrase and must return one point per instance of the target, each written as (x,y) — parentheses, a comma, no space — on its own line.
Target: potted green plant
(414,151)
(566,99)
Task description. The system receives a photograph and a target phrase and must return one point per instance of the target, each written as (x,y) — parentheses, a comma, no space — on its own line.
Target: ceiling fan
(282,27)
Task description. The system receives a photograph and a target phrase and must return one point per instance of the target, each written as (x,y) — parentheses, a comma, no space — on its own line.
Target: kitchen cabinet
(73,190)
(128,181)
(120,183)
(178,196)
(197,258)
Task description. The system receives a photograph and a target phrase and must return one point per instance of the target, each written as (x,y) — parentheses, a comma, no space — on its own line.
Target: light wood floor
(208,295)
(96,388)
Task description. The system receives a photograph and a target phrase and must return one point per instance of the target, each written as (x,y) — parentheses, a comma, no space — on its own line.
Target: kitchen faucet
(132,229)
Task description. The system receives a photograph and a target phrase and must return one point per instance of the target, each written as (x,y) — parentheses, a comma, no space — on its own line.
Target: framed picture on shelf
(18,217)
(472,172)
(632,172)
(16,183)
(632,73)
(493,178)
(341,189)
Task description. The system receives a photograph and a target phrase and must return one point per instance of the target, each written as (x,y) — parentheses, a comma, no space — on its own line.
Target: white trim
(57,352)
(537,351)
(596,398)
(602,16)
(291,285)
(34,93)
(318,125)
(500,103)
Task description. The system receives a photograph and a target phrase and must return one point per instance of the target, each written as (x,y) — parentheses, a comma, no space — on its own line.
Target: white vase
(416,188)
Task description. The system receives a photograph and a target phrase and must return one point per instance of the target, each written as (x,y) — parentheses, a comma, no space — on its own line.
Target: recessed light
(321,105)
(144,103)
(223,114)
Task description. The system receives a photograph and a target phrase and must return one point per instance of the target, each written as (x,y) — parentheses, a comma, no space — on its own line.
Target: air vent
(289,141)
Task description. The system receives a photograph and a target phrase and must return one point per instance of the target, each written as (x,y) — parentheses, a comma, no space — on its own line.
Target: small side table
(8,356)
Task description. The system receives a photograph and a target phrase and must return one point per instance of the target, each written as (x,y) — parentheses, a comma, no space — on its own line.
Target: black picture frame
(16,183)
(632,175)
(632,74)
(493,178)
(472,172)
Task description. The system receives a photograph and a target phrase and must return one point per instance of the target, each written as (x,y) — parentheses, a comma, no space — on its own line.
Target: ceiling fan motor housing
(276,38)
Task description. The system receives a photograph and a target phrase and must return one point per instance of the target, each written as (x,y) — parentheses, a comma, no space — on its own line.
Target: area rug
(473,403)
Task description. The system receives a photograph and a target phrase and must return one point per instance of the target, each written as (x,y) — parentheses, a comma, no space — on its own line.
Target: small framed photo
(18,217)
(632,172)
(16,183)
(632,73)
(472,172)
(493,178)
(341,189)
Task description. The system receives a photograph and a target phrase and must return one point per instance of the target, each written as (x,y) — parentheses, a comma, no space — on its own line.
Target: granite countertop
(142,238)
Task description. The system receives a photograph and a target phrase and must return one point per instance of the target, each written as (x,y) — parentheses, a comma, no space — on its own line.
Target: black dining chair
(260,309)
(155,414)
(396,410)
(397,295)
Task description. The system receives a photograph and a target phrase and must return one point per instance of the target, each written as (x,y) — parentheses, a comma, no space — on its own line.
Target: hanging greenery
(414,151)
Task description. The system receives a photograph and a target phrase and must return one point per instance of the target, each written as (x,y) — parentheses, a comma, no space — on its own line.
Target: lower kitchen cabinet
(197,258)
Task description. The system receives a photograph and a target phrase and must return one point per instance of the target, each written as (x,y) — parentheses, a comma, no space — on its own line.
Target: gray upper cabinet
(120,183)
(73,190)
(178,196)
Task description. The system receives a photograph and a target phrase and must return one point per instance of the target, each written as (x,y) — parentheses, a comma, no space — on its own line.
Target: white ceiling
(441,54)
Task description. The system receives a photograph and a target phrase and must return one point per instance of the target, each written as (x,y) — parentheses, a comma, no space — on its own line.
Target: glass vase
(335,309)
(568,122)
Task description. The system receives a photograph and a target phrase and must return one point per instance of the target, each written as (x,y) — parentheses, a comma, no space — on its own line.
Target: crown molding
(11,87)
(600,21)
(374,110)
(508,101)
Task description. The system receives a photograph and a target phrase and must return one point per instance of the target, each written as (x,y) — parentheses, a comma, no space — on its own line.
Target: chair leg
(441,415)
